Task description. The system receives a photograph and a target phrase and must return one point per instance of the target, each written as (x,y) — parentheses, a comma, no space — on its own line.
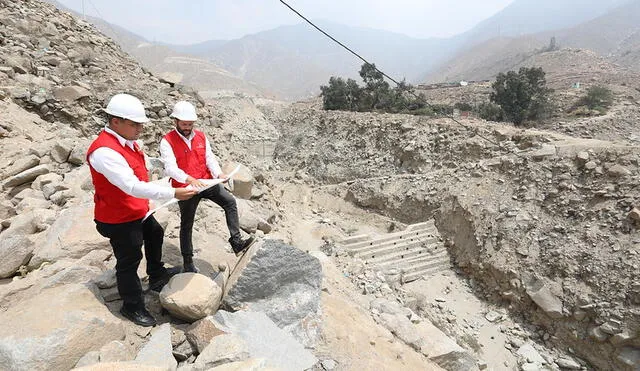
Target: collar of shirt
(121,140)
(193,134)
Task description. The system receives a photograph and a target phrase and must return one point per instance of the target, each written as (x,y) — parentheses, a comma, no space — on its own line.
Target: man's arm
(212,162)
(115,168)
(170,165)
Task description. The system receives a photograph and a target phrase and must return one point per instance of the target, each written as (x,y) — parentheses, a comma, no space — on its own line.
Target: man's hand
(195,183)
(223,176)
(184,194)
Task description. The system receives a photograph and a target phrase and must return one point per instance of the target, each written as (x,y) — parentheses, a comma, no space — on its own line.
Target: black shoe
(139,316)
(189,267)
(239,245)
(156,284)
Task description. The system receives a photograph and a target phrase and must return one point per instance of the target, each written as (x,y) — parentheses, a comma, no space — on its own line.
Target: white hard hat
(184,111)
(127,107)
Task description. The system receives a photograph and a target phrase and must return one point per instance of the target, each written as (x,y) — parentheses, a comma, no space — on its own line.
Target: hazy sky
(192,21)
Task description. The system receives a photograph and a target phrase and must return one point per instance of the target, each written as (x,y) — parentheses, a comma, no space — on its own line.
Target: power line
(421,98)
(115,34)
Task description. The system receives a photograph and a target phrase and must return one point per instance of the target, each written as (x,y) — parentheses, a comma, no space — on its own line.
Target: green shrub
(490,112)
(598,98)
(463,106)
(522,95)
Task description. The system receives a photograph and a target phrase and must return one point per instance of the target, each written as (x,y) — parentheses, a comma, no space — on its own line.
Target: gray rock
(529,353)
(242,180)
(199,334)
(32,203)
(26,176)
(19,64)
(250,222)
(49,189)
(171,78)
(78,154)
(70,93)
(42,180)
(630,357)
(54,329)
(493,316)
(283,282)
(582,157)
(265,340)
(158,351)
(20,93)
(15,251)
(547,150)
(618,171)
(115,351)
(329,364)
(541,294)
(191,296)
(223,349)
(568,364)
(21,164)
(596,333)
(61,150)
(402,327)
(107,279)
(622,338)
(183,351)
(90,358)
(72,235)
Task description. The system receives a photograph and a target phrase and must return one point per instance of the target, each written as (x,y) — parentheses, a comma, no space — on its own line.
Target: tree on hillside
(377,94)
(341,95)
(522,95)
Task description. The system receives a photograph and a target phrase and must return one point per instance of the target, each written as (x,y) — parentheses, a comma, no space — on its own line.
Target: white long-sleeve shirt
(171,166)
(115,168)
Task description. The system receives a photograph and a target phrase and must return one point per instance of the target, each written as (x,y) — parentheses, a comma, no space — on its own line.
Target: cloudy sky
(193,21)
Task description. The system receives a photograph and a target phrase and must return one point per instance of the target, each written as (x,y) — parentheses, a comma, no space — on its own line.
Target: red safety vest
(192,161)
(112,205)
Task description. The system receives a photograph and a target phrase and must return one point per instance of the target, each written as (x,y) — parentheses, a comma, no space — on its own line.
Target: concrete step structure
(417,251)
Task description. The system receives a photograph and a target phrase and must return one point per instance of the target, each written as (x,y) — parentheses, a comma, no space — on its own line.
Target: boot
(188,265)
(157,283)
(138,315)
(239,245)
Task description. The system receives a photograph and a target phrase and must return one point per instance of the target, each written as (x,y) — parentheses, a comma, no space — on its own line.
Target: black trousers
(220,196)
(127,239)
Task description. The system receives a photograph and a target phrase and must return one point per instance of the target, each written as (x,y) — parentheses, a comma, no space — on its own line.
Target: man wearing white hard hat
(120,179)
(187,158)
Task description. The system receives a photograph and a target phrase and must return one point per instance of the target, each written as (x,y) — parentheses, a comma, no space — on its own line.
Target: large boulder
(73,235)
(191,296)
(265,340)
(281,281)
(52,330)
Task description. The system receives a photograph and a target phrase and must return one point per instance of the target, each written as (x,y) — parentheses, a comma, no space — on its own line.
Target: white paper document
(209,183)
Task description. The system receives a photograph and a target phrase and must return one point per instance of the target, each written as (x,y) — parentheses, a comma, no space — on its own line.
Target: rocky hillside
(612,35)
(172,63)
(542,224)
